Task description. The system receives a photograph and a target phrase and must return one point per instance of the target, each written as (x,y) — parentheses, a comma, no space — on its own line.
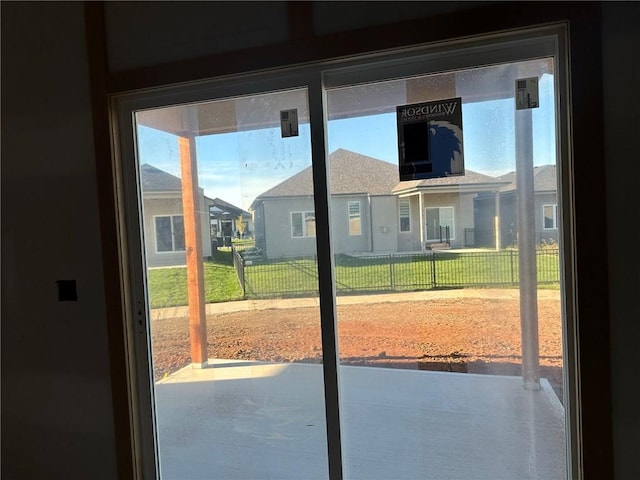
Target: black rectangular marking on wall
(67,291)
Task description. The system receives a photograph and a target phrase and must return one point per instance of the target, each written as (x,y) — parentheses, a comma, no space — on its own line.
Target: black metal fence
(238,264)
(437,269)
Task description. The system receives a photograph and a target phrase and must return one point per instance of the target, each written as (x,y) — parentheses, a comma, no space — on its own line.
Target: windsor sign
(430,139)
(427,111)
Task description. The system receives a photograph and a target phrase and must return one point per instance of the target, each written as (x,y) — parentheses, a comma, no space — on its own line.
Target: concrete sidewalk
(425,295)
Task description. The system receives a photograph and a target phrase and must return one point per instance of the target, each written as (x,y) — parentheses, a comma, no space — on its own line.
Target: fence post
(511,263)
(391,279)
(238,265)
(244,280)
(434,283)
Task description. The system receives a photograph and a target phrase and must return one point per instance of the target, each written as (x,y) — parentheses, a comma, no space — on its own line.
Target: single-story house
(163,218)
(225,225)
(371,211)
(545,209)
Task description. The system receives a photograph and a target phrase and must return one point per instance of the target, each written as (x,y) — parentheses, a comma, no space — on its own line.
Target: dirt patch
(472,335)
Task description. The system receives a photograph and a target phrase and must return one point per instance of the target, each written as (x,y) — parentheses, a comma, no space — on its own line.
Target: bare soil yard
(474,335)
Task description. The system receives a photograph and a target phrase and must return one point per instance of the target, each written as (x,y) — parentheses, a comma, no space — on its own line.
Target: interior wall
(332,17)
(56,412)
(137,39)
(621,77)
(57,419)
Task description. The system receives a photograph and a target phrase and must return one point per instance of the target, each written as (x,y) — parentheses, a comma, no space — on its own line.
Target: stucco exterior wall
(484,234)
(378,232)
(384,228)
(277,228)
(464,217)
(542,234)
(462,204)
(259,228)
(343,241)
(154,207)
(410,241)
(462,212)
(205,226)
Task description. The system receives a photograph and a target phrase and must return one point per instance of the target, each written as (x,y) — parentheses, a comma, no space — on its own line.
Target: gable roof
(153,179)
(350,172)
(218,207)
(544,179)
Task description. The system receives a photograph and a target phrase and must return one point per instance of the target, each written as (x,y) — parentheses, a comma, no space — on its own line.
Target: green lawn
(397,273)
(243,243)
(167,287)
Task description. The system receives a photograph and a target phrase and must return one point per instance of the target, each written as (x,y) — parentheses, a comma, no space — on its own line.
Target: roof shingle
(155,180)
(350,172)
(544,179)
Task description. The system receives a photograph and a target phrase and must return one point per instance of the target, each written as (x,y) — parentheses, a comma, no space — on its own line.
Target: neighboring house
(163,219)
(545,210)
(371,211)
(225,221)
(430,206)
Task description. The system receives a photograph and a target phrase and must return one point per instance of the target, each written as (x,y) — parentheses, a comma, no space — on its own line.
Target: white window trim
(155,234)
(555,216)
(304,225)
(452,230)
(349,203)
(403,200)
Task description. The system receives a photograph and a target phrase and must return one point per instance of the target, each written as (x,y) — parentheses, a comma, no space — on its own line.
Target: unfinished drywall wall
(57,419)
(621,74)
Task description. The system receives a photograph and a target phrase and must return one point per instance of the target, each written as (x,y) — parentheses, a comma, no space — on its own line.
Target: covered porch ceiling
(252,112)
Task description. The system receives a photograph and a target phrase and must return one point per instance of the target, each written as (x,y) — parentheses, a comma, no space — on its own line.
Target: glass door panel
(229,235)
(449,311)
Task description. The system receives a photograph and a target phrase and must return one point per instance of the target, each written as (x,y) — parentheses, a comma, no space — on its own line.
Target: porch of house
(251,420)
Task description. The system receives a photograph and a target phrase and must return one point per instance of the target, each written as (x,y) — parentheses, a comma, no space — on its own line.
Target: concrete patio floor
(250,420)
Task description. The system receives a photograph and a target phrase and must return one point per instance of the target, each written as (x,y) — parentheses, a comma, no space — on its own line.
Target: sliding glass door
(451,349)
(237,383)
(299,308)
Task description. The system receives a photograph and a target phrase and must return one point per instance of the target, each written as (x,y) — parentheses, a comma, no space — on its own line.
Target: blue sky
(239,166)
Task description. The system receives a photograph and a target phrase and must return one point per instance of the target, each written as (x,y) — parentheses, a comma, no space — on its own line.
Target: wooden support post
(193,247)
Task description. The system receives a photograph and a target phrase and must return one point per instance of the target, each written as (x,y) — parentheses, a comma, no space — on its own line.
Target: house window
(303,224)
(550,216)
(438,219)
(355,221)
(170,233)
(405,216)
